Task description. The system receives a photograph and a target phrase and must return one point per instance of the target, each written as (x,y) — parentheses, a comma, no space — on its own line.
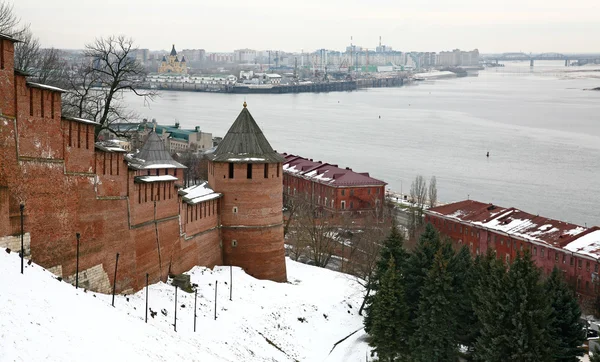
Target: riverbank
(540,130)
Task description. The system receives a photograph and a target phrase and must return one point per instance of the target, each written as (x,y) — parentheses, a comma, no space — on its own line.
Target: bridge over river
(580,58)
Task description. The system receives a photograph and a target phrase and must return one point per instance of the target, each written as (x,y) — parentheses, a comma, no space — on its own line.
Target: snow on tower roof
(245,143)
(153,155)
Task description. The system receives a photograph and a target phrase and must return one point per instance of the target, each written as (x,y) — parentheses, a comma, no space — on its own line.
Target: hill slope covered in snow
(42,318)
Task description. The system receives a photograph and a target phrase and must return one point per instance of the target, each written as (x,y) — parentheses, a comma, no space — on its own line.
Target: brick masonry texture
(50,164)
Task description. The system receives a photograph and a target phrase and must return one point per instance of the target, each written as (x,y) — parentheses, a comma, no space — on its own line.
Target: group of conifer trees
(435,303)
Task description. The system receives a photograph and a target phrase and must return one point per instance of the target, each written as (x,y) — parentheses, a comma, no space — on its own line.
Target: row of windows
(201,210)
(249,170)
(155,191)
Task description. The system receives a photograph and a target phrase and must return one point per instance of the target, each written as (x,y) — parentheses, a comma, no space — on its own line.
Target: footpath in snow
(42,318)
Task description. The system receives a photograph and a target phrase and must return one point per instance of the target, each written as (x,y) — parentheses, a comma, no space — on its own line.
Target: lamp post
(77,263)
(22,207)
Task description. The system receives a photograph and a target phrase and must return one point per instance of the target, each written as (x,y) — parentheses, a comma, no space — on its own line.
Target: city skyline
(539,26)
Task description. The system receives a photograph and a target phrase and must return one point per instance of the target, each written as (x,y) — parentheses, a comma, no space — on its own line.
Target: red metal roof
(327,173)
(511,221)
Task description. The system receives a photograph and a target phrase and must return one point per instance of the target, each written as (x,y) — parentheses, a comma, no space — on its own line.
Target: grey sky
(420,25)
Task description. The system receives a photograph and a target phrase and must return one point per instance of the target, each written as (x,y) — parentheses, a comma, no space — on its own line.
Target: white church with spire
(172,64)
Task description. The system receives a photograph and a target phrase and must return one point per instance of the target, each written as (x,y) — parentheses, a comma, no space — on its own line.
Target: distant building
(244,55)
(177,139)
(220,57)
(173,64)
(458,57)
(336,191)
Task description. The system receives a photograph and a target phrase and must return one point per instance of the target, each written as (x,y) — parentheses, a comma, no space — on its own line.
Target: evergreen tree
(392,248)
(418,265)
(491,309)
(389,337)
(461,268)
(514,313)
(434,339)
(565,326)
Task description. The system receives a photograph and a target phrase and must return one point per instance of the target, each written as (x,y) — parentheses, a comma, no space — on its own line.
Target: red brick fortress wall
(50,164)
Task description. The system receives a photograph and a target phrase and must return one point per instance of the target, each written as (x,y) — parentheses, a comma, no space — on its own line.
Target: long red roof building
(337,190)
(572,248)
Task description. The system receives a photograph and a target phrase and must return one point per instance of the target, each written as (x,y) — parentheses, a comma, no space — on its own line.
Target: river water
(541,127)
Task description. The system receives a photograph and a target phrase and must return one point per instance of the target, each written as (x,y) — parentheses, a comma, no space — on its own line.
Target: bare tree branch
(98,86)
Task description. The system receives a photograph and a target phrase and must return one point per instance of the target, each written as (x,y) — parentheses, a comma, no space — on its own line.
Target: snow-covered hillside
(42,318)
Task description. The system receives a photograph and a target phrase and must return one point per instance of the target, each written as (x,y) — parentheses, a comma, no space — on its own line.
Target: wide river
(541,127)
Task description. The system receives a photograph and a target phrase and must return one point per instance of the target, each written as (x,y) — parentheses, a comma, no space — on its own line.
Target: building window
(542,252)
(351,192)
(535,251)
(556,256)
(343,192)
(507,258)
(351,204)
(230,170)
(249,171)
(587,265)
(369,191)
(564,258)
(572,261)
(278,170)
(343,205)
(596,268)
(377,191)
(266,170)
(580,263)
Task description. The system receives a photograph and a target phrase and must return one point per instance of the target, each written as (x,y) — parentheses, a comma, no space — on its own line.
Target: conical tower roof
(173,52)
(245,143)
(153,155)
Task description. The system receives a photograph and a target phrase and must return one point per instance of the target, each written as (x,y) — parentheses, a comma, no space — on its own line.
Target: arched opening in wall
(249,171)
(230,170)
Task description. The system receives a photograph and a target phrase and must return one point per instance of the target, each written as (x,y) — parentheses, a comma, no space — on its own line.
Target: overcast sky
(225,25)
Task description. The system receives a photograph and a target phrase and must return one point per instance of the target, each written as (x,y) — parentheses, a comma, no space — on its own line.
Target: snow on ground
(42,318)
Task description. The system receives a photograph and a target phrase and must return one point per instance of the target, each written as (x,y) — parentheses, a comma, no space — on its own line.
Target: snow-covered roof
(587,244)
(80,120)
(327,173)
(514,222)
(109,146)
(155,178)
(47,87)
(198,193)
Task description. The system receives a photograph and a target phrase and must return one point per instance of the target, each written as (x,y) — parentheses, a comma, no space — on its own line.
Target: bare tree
(432,192)
(317,235)
(27,51)
(9,22)
(418,195)
(98,88)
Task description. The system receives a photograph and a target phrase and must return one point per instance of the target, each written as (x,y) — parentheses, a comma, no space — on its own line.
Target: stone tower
(246,170)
